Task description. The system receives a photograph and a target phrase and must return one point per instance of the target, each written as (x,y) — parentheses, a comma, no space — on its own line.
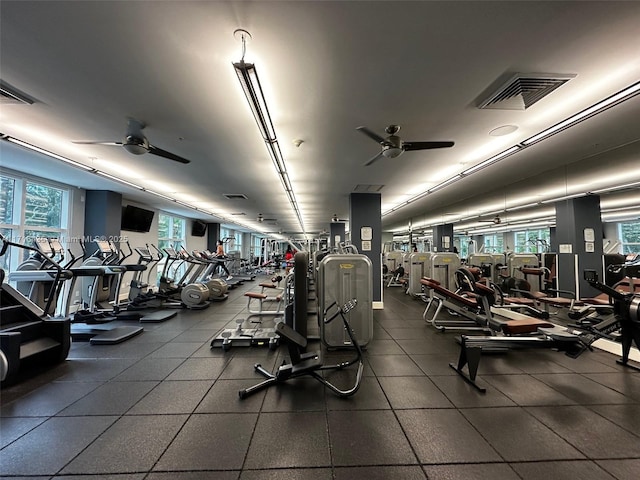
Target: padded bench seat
(437,287)
(516,327)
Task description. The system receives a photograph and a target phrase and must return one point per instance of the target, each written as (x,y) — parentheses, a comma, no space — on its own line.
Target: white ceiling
(326,67)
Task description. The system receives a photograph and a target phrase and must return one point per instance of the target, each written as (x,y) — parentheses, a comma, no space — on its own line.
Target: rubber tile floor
(165,405)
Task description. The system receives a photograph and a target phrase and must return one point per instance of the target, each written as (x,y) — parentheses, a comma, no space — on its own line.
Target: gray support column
(337,232)
(102,216)
(442,233)
(213,235)
(365,211)
(579,241)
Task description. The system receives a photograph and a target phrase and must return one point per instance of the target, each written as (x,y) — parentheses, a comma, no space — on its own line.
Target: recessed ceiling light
(503,130)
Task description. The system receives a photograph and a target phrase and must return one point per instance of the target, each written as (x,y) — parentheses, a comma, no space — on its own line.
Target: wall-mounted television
(136,219)
(198,228)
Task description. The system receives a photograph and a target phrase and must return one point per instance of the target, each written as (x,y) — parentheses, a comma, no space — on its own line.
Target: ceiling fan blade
(371,134)
(171,156)
(119,144)
(425,145)
(374,159)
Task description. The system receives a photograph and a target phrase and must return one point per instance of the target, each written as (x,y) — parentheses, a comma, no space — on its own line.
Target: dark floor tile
(199,369)
(223,398)
(422,332)
(444,436)
(46,477)
(435,364)
(149,369)
(584,470)
(536,361)
(413,392)
(231,475)
(583,390)
(621,469)
(587,363)
(288,474)
(627,416)
(475,471)
(504,428)
(96,369)
(157,336)
(210,442)
(379,473)
(132,444)
(13,428)
(499,364)
(123,350)
(298,394)
(463,395)
(429,346)
(524,389)
(394,366)
(51,445)
(383,347)
(380,334)
(172,397)
(302,441)
(628,385)
(112,398)
(243,367)
(176,350)
(369,396)
(588,432)
(368,438)
(48,399)
(196,335)
(124,476)
(404,322)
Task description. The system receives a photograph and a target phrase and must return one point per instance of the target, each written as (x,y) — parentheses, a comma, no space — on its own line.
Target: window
(494,243)
(629,234)
(171,233)
(532,241)
(238,242)
(30,209)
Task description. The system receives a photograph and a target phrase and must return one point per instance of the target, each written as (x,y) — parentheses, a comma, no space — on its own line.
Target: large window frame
(629,235)
(526,241)
(172,232)
(493,243)
(23,198)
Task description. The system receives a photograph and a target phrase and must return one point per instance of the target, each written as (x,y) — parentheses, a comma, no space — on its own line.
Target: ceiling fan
(135,142)
(495,220)
(393,145)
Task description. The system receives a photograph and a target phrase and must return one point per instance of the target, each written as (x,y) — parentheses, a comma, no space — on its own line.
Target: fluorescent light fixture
(116,179)
(48,153)
(255,97)
(444,184)
(185,204)
(491,160)
(586,113)
(618,187)
(160,195)
(521,207)
(566,197)
(250,83)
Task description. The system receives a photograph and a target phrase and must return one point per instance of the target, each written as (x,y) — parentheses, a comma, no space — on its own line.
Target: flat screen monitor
(198,228)
(136,219)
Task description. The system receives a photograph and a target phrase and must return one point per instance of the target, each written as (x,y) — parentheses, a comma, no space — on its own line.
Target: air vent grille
(522,90)
(368,188)
(235,196)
